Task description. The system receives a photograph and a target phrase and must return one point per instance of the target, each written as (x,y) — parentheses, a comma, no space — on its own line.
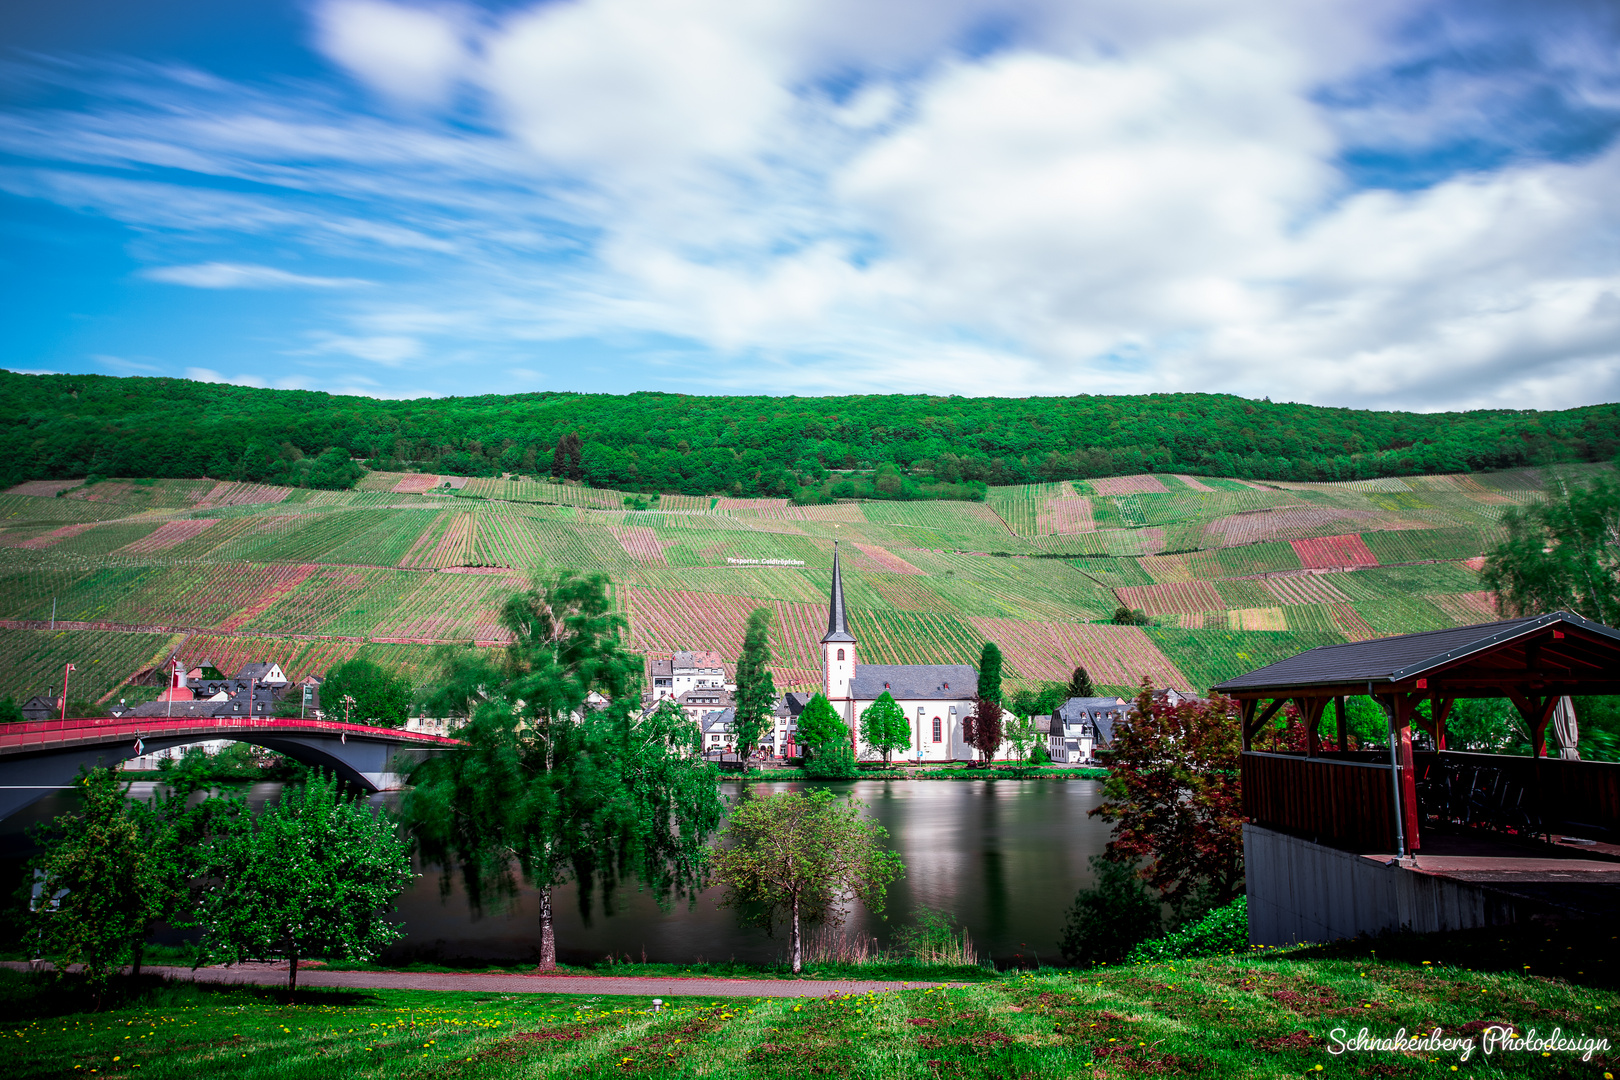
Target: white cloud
(217,275)
(813,197)
(410,54)
(389,350)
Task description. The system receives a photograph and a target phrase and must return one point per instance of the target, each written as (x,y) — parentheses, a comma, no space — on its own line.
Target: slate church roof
(915,682)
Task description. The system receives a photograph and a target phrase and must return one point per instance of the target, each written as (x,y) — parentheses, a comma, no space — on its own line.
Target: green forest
(817,448)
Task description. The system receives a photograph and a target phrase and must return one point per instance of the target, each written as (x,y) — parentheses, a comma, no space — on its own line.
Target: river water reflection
(1005,858)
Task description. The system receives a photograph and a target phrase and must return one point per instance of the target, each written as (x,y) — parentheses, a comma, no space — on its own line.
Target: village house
(1082,726)
(696,703)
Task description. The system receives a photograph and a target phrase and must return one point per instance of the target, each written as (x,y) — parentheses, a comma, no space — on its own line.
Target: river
(1004,858)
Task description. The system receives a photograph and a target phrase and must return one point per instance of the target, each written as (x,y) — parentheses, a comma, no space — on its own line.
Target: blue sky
(1366,203)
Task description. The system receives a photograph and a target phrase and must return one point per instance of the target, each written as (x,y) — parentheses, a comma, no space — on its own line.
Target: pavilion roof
(1558,649)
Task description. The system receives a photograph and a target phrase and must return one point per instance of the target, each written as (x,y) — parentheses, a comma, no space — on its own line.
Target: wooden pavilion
(1482,838)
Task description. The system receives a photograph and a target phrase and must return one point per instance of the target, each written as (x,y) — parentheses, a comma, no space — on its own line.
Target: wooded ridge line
(901,446)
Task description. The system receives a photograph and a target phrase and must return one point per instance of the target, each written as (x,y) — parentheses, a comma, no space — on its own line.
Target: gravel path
(608,985)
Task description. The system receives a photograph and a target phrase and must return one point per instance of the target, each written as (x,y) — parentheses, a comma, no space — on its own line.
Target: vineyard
(1234,573)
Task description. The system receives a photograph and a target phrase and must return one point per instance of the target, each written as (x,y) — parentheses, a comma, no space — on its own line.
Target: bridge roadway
(41,756)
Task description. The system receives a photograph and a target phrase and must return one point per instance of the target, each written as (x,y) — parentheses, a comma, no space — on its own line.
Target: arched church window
(840,654)
(936,729)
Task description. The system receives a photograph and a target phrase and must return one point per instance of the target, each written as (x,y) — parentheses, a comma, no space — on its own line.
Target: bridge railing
(32,733)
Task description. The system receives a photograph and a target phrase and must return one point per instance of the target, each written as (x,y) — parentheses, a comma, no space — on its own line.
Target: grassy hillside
(1233,573)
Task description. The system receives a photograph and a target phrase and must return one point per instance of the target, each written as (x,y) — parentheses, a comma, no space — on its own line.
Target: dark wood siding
(1344,803)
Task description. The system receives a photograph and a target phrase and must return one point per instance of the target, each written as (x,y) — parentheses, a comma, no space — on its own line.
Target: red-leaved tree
(1173,797)
(983,729)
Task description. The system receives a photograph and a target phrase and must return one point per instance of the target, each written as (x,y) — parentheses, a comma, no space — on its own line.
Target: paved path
(501,983)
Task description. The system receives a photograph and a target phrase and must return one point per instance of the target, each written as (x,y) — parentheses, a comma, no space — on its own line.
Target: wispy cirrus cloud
(219,275)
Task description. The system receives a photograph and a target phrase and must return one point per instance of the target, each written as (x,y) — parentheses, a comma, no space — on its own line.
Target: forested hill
(61,426)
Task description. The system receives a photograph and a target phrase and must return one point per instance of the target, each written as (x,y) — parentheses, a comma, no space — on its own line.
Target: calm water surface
(1004,858)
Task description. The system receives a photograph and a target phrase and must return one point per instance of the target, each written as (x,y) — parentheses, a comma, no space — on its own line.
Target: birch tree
(798,858)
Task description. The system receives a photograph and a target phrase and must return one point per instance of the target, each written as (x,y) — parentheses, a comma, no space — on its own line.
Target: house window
(936,729)
(840,654)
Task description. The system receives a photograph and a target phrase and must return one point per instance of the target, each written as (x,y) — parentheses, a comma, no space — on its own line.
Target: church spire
(837,621)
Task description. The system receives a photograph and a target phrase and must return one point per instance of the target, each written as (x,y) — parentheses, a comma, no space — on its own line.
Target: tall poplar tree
(756,690)
(990,672)
(546,788)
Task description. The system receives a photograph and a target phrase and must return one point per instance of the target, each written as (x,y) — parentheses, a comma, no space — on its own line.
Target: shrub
(834,762)
(1111,917)
(1222,931)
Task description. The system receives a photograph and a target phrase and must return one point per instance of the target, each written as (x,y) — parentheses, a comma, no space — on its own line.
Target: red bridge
(41,756)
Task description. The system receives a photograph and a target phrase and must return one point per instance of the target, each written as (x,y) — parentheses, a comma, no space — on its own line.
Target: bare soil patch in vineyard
(1328,552)
(1128,485)
(168,535)
(415,483)
(56,536)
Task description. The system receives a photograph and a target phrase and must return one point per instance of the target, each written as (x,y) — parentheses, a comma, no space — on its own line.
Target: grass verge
(1267,1014)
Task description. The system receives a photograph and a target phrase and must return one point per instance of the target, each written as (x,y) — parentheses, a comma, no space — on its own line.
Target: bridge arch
(40,757)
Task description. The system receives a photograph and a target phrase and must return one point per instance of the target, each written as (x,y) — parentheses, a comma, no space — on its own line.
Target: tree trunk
(793,935)
(292,972)
(548,936)
(135,968)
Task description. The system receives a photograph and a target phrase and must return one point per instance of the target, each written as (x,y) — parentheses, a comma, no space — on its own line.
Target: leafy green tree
(381,698)
(545,788)
(1561,555)
(1040,701)
(800,858)
(309,878)
(1126,616)
(1080,684)
(1109,918)
(88,900)
(10,711)
(990,672)
(756,690)
(884,726)
(820,727)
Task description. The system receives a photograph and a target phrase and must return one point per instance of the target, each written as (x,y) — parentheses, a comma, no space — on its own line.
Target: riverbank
(1263,1014)
(964,772)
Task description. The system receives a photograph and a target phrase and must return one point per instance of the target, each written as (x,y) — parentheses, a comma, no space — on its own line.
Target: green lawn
(1259,1015)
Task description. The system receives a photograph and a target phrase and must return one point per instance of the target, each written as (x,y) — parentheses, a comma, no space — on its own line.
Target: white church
(936,697)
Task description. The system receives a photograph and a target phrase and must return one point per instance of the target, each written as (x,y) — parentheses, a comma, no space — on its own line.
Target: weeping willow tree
(558,777)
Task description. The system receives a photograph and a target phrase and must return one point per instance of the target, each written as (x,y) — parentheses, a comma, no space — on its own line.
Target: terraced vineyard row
(1116,656)
(666,620)
(32,661)
(888,637)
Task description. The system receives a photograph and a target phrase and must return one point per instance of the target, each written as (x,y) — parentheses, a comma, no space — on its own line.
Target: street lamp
(348,703)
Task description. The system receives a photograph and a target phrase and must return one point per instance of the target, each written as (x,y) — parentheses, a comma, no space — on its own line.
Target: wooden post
(1441,710)
(1312,708)
(1247,719)
(1339,718)
(1536,712)
(1405,706)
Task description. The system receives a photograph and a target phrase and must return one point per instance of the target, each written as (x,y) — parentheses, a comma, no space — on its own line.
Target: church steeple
(837,621)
